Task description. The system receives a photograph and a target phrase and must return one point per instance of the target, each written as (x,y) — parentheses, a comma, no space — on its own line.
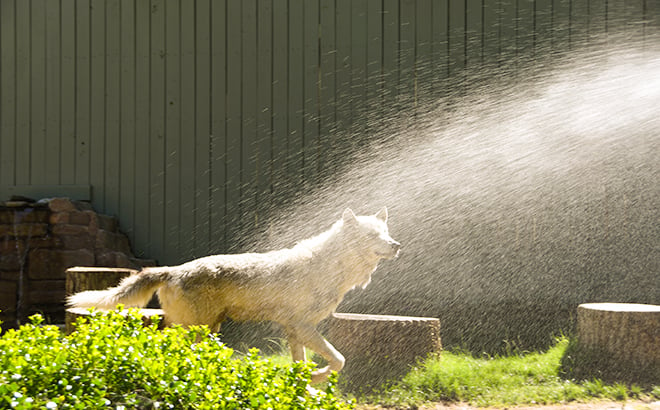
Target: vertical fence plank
(67,102)
(187,135)
(264,107)
(579,24)
(423,54)
(280,93)
(142,128)
(234,84)
(8,78)
(525,35)
(23,118)
(634,16)
(203,115)
(175,110)
(127,126)
(97,103)
(491,32)
(390,53)
(327,77)
(407,84)
(296,93)
(456,39)
(440,47)
(561,25)
(218,141)
(157,127)
(37,92)
(113,97)
(374,91)
(615,10)
(343,39)
(543,27)
(52,167)
(358,72)
(83,92)
(508,33)
(598,22)
(652,19)
(311,91)
(249,116)
(474,34)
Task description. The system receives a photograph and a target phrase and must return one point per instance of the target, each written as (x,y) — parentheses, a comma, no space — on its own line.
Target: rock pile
(40,240)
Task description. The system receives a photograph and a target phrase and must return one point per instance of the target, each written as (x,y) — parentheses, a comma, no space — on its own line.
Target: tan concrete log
(380,348)
(619,340)
(81,278)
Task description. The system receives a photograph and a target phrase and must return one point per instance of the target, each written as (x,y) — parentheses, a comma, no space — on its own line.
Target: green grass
(533,378)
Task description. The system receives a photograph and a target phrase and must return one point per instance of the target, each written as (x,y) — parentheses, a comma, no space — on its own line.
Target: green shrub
(113,361)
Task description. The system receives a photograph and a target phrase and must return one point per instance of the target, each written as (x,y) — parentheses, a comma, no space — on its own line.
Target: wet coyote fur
(296,287)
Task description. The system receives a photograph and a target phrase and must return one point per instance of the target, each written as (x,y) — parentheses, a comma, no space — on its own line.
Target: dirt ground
(604,405)
(630,405)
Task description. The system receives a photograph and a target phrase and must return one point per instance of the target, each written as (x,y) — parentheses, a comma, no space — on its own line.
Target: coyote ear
(349,216)
(382,214)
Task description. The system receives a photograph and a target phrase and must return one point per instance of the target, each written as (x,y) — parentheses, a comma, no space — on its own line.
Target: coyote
(296,287)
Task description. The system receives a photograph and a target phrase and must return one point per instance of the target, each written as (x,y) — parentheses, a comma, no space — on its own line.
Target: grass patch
(532,378)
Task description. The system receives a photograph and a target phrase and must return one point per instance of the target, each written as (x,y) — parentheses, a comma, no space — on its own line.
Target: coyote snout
(394,251)
(296,287)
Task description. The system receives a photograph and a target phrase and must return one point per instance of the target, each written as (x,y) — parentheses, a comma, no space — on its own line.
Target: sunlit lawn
(532,378)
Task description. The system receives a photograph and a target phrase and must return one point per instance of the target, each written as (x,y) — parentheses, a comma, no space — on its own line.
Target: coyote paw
(321,375)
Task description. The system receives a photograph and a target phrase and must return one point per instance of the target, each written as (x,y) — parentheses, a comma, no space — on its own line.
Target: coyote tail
(133,291)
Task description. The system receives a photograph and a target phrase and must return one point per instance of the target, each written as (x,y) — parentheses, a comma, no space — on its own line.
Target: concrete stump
(380,348)
(619,341)
(80,278)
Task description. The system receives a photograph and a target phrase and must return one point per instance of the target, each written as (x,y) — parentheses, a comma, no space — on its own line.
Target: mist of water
(531,194)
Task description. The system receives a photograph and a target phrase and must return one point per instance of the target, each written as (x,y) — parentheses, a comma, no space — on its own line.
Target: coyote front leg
(310,337)
(296,346)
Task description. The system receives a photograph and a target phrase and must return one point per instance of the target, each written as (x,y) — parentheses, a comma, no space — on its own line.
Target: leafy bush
(113,361)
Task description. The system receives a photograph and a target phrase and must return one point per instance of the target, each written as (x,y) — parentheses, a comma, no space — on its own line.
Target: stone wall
(39,241)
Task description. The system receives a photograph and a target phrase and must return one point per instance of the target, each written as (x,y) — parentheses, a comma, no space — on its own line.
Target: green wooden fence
(190,119)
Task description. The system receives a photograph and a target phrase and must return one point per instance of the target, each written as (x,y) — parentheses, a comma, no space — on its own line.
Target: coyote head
(370,234)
